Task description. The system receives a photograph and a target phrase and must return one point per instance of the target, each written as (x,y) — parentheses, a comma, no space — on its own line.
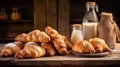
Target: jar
(77,33)
(90,21)
(3,14)
(15,15)
(107,29)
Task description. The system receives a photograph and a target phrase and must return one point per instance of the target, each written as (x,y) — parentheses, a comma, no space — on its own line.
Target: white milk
(77,33)
(90,30)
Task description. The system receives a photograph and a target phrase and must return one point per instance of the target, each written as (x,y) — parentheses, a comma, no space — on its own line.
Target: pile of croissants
(38,43)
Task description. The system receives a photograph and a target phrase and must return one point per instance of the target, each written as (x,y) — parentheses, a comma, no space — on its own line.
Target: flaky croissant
(43,37)
(34,36)
(60,45)
(31,50)
(99,45)
(67,42)
(83,46)
(21,37)
(51,32)
(57,40)
(11,48)
(49,48)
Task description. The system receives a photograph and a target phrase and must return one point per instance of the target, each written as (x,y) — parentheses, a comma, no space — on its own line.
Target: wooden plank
(63,17)
(69,60)
(52,13)
(40,14)
(17,21)
(11,29)
(64,60)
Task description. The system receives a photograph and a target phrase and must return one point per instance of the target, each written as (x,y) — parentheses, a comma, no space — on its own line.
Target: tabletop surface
(110,59)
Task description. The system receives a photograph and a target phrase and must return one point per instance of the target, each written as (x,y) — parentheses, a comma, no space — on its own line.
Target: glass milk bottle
(77,33)
(90,21)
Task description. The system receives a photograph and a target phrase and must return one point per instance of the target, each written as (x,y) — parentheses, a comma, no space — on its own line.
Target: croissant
(31,50)
(99,45)
(11,48)
(67,42)
(33,35)
(60,45)
(49,48)
(43,37)
(83,46)
(57,40)
(21,37)
(51,32)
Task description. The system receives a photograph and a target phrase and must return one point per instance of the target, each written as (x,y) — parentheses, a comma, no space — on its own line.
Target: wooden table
(111,59)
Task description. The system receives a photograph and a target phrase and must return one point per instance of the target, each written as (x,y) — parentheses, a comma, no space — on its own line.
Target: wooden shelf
(14,21)
(6,38)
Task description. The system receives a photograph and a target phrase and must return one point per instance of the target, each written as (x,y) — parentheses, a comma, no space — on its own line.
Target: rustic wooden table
(111,59)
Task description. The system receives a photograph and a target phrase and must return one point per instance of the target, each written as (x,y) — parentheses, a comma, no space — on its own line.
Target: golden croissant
(99,45)
(10,49)
(34,36)
(49,48)
(57,40)
(51,32)
(44,38)
(60,45)
(67,42)
(83,46)
(21,37)
(31,50)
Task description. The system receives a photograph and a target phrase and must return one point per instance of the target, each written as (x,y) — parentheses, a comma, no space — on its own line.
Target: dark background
(78,8)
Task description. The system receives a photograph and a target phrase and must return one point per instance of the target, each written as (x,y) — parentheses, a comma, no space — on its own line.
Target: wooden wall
(54,13)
